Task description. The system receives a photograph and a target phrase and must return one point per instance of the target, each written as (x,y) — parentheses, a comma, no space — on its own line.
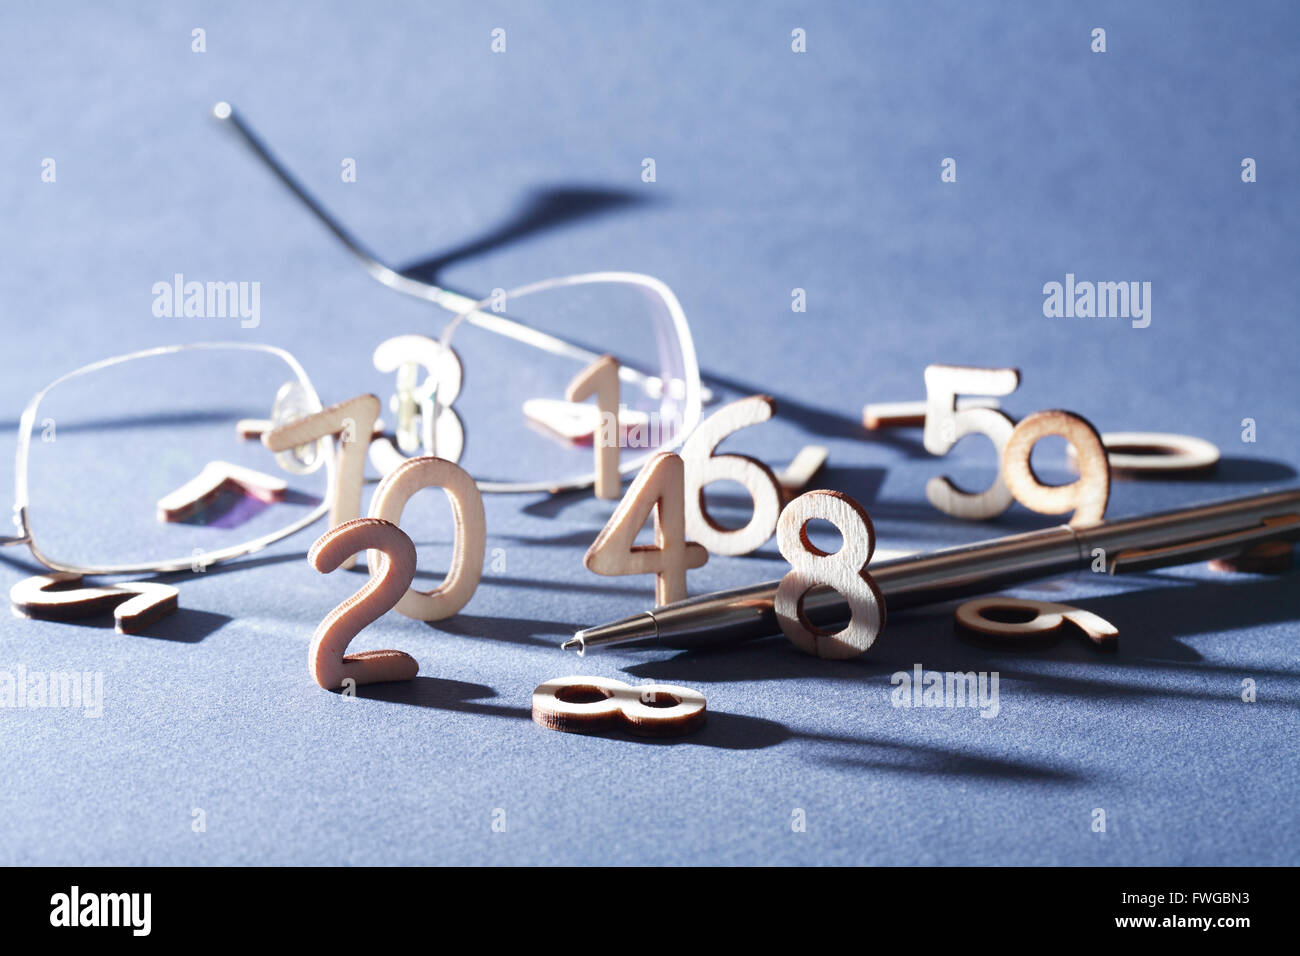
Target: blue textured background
(775,171)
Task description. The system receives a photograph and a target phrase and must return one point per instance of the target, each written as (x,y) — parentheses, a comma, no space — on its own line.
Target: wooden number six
(390,577)
(659,486)
(944,425)
(470,533)
(1046,618)
(1086,496)
(600,378)
(703,467)
(586,704)
(844,570)
(354,422)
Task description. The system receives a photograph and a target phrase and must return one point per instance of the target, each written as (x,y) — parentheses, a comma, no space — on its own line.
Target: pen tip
(575,643)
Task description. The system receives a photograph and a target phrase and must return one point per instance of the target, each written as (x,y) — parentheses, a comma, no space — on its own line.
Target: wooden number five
(390,577)
(944,425)
(470,533)
(844,570)
(703,467)
(660,486)
(1087,496)
(354,422)
(600,378)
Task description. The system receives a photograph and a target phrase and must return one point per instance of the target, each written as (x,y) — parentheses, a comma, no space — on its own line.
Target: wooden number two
(600,378)
(945,424)
(354,422)
(1086,496)
(659,486)
(844,570)
(470,532)
(390,578)
(703,467)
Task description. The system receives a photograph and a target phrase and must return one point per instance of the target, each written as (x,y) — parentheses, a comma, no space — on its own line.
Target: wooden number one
(600,378)
(353,422)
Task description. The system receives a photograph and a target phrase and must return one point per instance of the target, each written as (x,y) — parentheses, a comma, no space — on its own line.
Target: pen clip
(1274,528)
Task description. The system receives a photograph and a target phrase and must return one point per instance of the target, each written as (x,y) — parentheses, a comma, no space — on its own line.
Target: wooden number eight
(1048,617)
(703,467)
(844,570)
(466,567)
(390,577)
(945,424)
(1086,496)
(587,704)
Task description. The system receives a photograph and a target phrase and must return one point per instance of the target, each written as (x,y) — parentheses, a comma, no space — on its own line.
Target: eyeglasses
(516,352)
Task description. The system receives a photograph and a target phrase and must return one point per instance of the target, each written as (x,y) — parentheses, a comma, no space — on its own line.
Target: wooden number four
(660,486)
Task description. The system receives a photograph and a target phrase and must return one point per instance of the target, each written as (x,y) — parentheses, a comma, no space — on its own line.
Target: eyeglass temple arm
(454,302)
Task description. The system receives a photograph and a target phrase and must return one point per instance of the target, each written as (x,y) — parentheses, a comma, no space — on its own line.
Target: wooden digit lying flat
(801,470)
(215,478)
(1269,557)
(135,604)
(594,704)
(877,416)
(1156,454)
(1048,617)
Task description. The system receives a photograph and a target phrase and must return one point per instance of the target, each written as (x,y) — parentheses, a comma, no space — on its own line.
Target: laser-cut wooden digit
(801,470)
(466,567)
(215,478)
(659,487)
(1156,454)
(389,579)
(600,378)
(592,704)
(354,422)
(1048,617)
(135,604)
(881,415)
(441,434)
(1086,496)
(945,425)
(703,467)
(844,570)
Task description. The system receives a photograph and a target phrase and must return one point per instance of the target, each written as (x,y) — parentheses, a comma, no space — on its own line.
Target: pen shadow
(513,630)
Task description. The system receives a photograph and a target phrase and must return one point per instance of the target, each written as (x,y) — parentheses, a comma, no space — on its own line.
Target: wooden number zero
(703,467)
(466,567)
(844,570)
(390,576)
(1086,496)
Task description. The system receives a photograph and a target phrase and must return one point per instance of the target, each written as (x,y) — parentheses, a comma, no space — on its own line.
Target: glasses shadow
(541,210)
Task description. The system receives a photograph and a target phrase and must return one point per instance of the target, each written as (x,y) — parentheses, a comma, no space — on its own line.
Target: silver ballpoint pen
(1215,530)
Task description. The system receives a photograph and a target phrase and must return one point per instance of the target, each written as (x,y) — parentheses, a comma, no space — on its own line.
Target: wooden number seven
(354,422)
(470,532)
(703,467)
(600,378)
(844,570)
(390,578)
(1086,496)
(945,424)
(660,486)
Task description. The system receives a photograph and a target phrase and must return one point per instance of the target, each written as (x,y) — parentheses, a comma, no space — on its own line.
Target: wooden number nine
(1045,618)
(703,467)
(945,424)
(844,570)
(354,422)
(600,378)
(1086,496)
(660,486)
(470,532)
(390,578)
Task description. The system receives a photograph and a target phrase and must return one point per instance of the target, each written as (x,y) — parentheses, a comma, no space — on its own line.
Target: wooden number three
(600,378)
(354,422)
(470,533)
(944,425)
(659,486)
(390,578)
(844,570)
(1086,496)
(703,467)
